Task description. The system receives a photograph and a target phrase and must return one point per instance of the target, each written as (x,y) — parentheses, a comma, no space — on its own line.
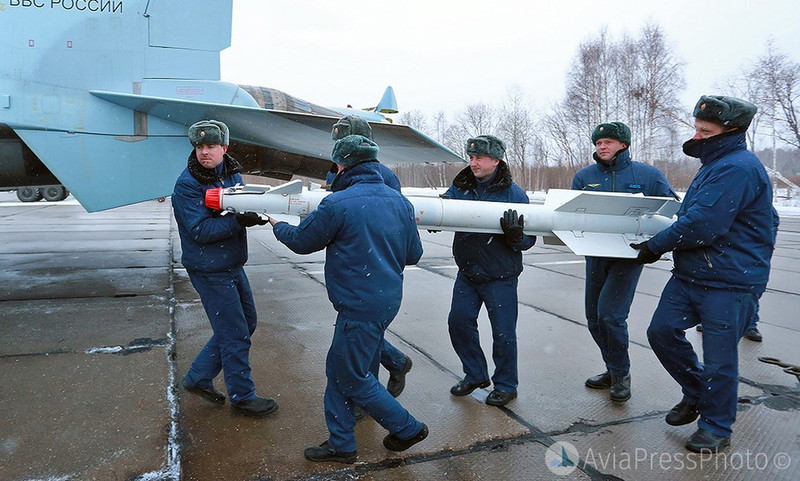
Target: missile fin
(557,197)
(293,187)
(552,240)
(610,203)
(598,244)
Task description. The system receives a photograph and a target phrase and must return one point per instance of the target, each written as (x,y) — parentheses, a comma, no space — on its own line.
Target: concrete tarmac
(98,323)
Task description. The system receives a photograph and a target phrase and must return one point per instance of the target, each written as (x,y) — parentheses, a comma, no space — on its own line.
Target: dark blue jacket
(484,257)
(210,242)
(724,235)
(389,177)
(369,234)
(623,175)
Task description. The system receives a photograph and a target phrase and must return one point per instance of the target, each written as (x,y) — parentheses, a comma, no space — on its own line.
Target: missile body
(601,224)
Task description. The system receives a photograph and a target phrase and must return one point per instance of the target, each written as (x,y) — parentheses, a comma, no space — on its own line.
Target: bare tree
(571,145)
(749,85)
(516,126)
(589,81)
(477,119)
(780,83)
(661,80)
(414,119)
(635,81)
(440,125)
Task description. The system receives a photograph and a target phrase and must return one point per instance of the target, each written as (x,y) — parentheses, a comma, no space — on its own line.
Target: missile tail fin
(598,244)
(291,187)
(610,203)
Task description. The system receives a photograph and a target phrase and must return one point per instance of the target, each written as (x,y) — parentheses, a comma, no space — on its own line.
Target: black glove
(645,256)
(249,219)
(512,226)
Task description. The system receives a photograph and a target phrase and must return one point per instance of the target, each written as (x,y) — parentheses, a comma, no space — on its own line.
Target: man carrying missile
(488,269)
(369,234)
(611,283)
(722,241)
(391,358)
(214,251)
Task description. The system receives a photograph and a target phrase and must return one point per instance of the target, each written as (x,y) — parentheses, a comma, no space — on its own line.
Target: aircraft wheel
(55,193)
(29,194)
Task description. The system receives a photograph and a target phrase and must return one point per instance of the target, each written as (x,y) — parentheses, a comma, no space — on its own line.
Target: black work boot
(208,393)
(324,452)
(620,388)
(703,440)
(464,387)
(257,407)
(754,335)
(500,398)
(601,381)
(397,380)
(393,443)
(682,413)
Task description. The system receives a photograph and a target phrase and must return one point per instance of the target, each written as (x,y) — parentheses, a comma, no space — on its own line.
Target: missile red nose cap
(214,198)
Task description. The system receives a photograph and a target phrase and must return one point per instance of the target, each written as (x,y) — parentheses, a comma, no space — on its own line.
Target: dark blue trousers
(355,349)
(500,298)
(725,315)
(610,286)
(392,358)
(754,320)
(228,302)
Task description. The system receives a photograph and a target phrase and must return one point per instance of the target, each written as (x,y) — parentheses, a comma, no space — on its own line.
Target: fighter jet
(96,96)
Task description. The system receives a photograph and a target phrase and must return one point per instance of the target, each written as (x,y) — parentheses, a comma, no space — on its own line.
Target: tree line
(636,80)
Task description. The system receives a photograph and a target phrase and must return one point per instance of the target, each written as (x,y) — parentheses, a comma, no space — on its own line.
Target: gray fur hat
(351,125)
(209,132)
(354,149)
(725,111)
(487,145)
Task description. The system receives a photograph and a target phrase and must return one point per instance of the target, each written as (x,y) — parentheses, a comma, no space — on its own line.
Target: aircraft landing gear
(52,193)
(29,194)
(55,193)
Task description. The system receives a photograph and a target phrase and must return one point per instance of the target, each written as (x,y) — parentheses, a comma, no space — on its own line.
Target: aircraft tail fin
(388,103)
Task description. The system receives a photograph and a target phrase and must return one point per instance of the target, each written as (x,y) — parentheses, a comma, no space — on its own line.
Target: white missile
(601,224)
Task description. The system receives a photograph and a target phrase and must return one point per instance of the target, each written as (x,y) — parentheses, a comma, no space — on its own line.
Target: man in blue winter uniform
(611,283)
(488,269)
(214,251)
(369,234)
(722,242)
(391,358)
(752,333)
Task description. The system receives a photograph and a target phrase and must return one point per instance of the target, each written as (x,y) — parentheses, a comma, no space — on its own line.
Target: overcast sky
(445,55)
